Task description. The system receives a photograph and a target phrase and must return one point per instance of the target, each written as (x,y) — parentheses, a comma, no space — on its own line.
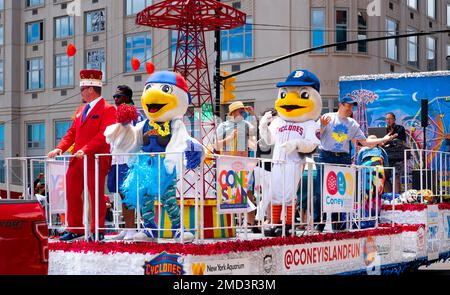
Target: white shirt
(92,104)
(283,131)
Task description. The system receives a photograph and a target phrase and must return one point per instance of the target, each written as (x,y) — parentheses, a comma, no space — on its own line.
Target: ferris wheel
(438,129)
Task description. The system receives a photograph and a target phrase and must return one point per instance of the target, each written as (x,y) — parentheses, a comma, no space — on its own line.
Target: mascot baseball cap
(301,78)
(167,77)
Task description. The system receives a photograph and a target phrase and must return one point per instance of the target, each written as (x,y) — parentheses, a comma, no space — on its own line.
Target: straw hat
(237,105)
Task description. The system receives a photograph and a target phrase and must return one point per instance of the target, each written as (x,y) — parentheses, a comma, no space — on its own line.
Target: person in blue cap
(294,135)
(337,130)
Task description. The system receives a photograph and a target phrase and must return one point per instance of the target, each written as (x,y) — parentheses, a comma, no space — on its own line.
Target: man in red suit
(86,133)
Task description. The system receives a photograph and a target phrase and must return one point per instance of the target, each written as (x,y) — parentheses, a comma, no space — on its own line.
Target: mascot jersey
(284,131)
(157,143)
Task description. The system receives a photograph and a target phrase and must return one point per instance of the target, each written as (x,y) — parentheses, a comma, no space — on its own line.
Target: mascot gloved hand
(294,136)
(165,100)
(264,123)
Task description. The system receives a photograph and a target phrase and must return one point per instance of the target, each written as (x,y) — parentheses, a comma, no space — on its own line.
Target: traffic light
(228,88)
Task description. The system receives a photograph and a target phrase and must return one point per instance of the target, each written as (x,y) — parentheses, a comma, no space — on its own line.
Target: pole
(333,45)
(217,49)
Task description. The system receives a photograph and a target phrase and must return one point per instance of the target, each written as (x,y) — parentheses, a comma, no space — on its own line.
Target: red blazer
(88,135)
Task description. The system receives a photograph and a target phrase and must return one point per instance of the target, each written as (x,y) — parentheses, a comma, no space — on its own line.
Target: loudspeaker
(424,112)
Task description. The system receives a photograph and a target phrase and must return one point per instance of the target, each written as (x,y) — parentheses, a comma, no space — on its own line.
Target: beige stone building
(39,82)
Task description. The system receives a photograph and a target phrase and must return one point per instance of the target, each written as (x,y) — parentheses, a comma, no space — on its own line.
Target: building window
(63,27)
(36,136)
(341,29)
(318,28)
(35,32)
(431,54)
(173,48)
(33,3)
(95,21)
(2,5)
(138,46)
(61,128)
(412,4)
(237,44)
(448,57)
(2,136)
(448,15)
(2,78)
(96,60)
(1,35)
(135,6)
(431,8)
(35,73)
(413,49)
(362,31)
(392,44)
(63,70)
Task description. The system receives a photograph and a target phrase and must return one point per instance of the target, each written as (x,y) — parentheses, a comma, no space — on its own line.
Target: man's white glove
(265,120)
(121,137)
(170,162)
(306,147)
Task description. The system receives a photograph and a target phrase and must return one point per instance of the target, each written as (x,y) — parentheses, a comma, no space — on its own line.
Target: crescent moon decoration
(414,96)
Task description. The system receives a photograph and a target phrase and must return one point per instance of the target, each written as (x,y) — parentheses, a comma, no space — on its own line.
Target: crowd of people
(238,135)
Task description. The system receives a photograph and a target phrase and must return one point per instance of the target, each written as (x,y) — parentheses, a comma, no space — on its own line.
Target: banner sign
(338,189)
(239,266)
(433,232)
(446,219)
(234,176)
(299,257)
(402,94)
(57,173)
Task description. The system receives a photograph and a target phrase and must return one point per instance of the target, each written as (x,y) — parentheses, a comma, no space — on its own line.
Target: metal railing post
(86,199)
(310,197)
(8,185)
(25,180)
(182,197)
(96,199)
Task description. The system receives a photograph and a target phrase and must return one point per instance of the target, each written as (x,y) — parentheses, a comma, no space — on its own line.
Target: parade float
(412,230)
(406,235)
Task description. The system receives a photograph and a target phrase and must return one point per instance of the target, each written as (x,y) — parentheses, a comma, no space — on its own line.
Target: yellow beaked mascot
(294,134)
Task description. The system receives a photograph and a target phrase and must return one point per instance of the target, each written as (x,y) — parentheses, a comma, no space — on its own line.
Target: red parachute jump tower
(192,18)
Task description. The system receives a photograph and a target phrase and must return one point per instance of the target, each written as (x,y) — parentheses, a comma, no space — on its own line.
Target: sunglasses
(118,95)
(84,88)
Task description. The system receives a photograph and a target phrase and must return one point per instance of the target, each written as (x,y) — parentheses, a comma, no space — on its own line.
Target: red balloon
(150,67)
(135,64)
(71,50)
